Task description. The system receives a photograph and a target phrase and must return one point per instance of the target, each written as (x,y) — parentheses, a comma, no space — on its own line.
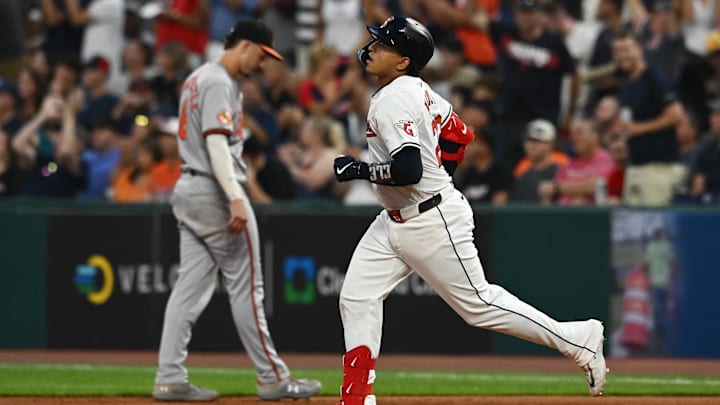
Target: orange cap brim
(271,52)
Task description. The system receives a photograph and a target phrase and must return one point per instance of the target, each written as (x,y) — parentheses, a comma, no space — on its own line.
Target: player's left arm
(404,169)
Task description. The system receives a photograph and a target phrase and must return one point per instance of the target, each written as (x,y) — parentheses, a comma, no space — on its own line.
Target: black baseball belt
(412,211)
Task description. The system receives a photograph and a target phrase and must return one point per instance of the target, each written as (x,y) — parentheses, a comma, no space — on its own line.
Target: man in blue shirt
(101,158)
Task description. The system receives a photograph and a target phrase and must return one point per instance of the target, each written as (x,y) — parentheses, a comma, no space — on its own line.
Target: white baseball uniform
(428,228)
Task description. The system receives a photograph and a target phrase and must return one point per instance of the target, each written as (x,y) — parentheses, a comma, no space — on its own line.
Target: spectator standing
(602,72)
(700,75)
(223,15)
(659,35)
(575,184)
(532,62)
(341,27)
(281,15)
(173,65)
(63,39)
(306,34)
(698,18)
(103,22)
(539,140)
(457,17)
(12,41)
(577,35)
(186,22)
(11,176)
(652,112)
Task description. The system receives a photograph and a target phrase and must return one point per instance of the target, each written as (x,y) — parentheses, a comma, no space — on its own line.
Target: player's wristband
(379,173)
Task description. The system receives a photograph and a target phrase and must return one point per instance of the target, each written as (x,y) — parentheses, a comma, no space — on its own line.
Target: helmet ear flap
(362,53)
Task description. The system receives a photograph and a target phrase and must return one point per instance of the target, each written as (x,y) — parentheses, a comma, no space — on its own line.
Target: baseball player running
(414,140)
(217,225)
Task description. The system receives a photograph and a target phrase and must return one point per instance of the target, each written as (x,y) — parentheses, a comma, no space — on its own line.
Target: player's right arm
(217,125)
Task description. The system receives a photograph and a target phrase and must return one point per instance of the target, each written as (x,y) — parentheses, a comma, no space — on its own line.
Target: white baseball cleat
(596,369)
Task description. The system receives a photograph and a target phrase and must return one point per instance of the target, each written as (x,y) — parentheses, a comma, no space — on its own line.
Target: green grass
(92,380)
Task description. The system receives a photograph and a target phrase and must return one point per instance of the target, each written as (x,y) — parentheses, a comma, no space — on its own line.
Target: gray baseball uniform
(211,104)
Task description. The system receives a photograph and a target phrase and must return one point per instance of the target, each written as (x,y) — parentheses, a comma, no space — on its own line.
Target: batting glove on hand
(347,168)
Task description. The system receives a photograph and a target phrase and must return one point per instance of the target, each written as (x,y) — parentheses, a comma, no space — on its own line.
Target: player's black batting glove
(348,168)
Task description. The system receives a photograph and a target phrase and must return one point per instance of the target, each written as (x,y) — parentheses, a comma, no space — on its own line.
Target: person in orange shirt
(132,182)
(457,15)
(559,158)
(166,172)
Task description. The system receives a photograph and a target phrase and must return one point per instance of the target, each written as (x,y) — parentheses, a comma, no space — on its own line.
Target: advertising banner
(309,255)
(665,265)
(108,279)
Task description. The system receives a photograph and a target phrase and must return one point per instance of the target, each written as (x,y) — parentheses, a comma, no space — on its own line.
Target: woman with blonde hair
(310,159)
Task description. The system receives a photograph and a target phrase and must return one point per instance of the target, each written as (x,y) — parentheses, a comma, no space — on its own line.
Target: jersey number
(182,130)
(436,133)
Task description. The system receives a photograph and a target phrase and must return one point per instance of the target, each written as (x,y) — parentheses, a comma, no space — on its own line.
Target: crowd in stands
(572,102)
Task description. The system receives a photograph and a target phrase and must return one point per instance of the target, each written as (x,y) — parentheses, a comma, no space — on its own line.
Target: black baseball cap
(253,31)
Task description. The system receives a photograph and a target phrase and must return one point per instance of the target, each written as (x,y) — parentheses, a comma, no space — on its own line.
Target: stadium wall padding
(57,258)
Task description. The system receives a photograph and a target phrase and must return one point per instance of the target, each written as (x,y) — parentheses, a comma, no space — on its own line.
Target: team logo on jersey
(224,117)
(369,133)
(407,126)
